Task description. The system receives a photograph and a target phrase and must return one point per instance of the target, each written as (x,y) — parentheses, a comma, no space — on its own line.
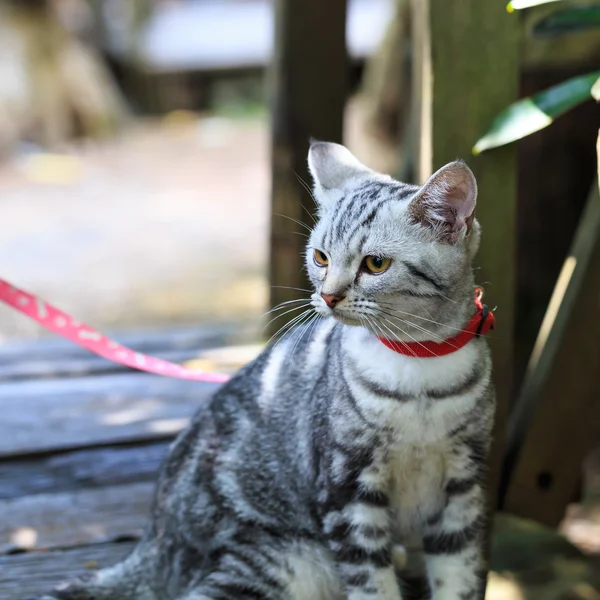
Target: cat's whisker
(302,329)
(314,220)
(287,325)
(305,235)
(305,327)
(287,287)
(378,331)
(306,186)
(290,332)
(316,321)
(410,324)
(381,333)
(394,335)
(440,340)
(404,333)
(448,299)
(298,221)
(285,313)
(397,311)
(285,329)
(282,305)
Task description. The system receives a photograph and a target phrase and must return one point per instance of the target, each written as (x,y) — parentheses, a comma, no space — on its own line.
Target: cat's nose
(332,300)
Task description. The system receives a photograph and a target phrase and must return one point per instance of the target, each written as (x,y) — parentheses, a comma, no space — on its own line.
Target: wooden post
(309,85)
(556,422)
(465,72)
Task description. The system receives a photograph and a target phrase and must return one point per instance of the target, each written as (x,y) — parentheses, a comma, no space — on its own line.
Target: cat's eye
(377,264)
(321,258)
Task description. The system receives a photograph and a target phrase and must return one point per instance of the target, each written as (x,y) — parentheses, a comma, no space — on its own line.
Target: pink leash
(62,324)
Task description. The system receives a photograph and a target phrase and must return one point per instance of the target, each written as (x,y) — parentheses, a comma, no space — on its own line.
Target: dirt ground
(168,224)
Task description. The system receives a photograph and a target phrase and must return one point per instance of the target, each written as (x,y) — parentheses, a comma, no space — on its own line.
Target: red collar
(481,322)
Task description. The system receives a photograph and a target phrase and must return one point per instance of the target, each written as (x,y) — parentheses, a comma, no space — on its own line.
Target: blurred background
(134,145)
(153,184)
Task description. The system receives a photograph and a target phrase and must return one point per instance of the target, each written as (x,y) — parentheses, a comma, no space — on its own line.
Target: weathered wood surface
(55,357)
(466,71)
(309,86)
(56,349)
(66,519)
(557,419)
(29,368)
(48,415)
(79,455)
(78,469)
(33,573)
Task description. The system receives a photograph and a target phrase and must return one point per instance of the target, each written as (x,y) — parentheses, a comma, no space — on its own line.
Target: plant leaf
(520,4)
(595,91)
(532,114)
(578,18)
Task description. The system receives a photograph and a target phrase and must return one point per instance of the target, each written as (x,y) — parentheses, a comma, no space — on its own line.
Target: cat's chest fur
(417,475)
(419,448)
(421,410)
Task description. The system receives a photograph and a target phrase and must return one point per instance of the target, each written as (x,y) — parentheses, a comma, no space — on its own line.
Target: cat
(309,469)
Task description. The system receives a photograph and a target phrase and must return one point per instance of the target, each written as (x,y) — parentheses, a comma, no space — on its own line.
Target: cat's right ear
(333,168)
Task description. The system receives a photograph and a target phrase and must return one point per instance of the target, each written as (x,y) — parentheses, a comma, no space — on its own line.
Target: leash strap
(64,325)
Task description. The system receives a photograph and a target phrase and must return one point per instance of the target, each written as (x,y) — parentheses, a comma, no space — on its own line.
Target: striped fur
(305,471)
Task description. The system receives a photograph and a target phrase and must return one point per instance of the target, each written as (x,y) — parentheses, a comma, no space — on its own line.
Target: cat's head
(384,250)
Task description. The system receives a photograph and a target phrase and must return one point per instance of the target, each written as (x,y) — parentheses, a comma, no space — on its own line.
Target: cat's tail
(124,581)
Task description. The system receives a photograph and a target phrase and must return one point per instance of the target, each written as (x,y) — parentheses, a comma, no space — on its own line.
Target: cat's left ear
(446,202)
(334,169)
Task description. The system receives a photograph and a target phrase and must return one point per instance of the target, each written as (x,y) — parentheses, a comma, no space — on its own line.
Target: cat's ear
(333,168)
(446,202)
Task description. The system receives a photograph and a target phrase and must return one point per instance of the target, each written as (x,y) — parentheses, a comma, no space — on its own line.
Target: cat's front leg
(357,526)
(454,543)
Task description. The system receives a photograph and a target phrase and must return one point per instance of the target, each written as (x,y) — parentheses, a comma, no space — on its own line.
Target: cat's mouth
(346,318)
(340,313)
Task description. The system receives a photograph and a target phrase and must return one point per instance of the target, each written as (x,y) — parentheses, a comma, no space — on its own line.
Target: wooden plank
(77,469)
(465,72)
(56,357)
(57,367)
(34,573)
(182,338)
(47,521)
(309,73)
(48,415)
(557,418)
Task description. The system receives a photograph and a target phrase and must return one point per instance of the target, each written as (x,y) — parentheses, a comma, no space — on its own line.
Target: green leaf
(520,4)
(596,90)
(578,18)
(532,114)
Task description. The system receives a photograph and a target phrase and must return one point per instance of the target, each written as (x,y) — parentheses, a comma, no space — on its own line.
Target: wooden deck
(81,440)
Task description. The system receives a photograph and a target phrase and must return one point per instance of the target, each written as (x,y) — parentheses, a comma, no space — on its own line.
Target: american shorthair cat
(350,438)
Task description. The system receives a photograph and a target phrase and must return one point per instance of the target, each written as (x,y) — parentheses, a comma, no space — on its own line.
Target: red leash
(62,324)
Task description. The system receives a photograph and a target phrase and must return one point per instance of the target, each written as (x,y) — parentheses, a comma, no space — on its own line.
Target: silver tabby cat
(315,462)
